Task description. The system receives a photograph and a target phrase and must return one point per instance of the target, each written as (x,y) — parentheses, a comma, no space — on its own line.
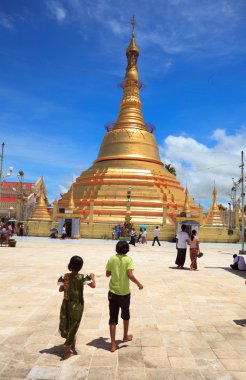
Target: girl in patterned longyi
(72,284)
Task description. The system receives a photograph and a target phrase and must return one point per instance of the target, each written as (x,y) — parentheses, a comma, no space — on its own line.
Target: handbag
(200,254)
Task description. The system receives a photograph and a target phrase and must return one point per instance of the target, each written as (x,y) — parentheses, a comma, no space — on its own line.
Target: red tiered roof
(10,185)
(8,199)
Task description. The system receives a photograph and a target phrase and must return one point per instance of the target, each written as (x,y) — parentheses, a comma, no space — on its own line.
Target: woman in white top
(194,250)
(144,236)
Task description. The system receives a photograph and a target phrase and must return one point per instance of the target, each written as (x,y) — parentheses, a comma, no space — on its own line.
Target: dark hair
(75,263)
(234,256)
(156,227)
(122,247)
(183,227)
(193,233)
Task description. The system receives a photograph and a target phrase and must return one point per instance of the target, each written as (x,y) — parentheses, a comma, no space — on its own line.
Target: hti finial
(133,23)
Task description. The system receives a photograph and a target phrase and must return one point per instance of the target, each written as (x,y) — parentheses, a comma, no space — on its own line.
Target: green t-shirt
(118,265)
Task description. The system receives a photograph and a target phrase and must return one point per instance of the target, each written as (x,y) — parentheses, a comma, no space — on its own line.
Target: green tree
(171,169)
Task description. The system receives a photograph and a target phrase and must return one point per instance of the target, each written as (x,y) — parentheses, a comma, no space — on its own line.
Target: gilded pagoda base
(39,228)
(104,231)
(218,235)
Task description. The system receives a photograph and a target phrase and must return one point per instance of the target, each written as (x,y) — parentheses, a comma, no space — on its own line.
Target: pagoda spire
(71,204)
(130,115)
(214,218)
(40,211)
(186,208)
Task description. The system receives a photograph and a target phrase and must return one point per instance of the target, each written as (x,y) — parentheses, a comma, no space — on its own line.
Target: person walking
(120,267)
(64,232)
(156,233)
(182,239)
(21,229)
(72,284)
(133,236)
(144,236)
(139,235)
(194,249)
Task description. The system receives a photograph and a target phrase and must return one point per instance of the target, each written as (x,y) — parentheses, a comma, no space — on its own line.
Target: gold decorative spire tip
(133,23)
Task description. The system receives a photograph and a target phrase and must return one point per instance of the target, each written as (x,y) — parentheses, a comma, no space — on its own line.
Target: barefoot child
(120,268)
(72,284)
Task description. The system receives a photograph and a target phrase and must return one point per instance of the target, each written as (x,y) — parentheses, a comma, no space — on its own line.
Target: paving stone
(44,373)
(184,374)
(238,375)
(159,373)
(99,373)
(134,373)
(234,364)
(213,374)
(69,372)
(131,357)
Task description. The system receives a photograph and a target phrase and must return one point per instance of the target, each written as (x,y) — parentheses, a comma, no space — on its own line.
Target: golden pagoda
(128,157)
(71,204)
(40,212)
(214,217)
(186,209)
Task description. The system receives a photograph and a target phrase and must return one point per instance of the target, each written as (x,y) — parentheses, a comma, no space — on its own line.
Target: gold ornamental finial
(130,115)
(71,204)
(133,23)
(186,207)
(214,205)
(41,199)
(40,211)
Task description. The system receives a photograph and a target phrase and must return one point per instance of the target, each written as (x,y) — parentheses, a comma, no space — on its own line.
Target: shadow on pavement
(240,322)
(101,343)
(240,273)
(55,350)
(179,268)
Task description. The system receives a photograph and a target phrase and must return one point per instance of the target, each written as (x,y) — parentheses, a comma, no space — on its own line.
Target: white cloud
(200,166)
(205,27)
(63,189)
(6,22)
(57,10)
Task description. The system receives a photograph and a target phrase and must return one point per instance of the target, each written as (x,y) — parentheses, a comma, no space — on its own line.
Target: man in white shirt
(238,263)
(182,239)
(156,233)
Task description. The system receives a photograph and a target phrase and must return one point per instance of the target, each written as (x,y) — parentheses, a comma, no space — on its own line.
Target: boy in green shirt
(120,268)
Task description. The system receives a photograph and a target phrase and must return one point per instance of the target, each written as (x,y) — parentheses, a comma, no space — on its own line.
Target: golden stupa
(40,212)
(128,176)
(214,217)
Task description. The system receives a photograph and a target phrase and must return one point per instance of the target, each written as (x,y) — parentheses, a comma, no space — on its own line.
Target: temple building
(128,176)
(17,200)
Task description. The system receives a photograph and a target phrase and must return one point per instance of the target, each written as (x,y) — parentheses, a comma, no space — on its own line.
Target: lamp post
(8,174)
(242,251)
(22,198)
(128,205)
(229,230)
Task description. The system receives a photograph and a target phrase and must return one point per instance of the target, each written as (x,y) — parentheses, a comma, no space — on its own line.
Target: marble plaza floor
(186,325)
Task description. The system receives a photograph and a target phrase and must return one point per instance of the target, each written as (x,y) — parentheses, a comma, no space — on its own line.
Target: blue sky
(61,61)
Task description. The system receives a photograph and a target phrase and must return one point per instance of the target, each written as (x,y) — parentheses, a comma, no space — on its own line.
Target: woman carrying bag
(194,250)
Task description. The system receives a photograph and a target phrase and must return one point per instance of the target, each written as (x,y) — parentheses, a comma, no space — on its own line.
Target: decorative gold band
(133,158)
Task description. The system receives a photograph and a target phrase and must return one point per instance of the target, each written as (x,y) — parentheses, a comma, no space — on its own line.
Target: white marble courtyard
(186,325)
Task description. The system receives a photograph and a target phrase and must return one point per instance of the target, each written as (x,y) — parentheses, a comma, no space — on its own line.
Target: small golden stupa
(214,217)
(186,208)
(71,204)
(40,212)
(128,157)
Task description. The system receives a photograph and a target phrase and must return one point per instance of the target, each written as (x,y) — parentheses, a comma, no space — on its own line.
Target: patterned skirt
(193,257)
(70,317)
